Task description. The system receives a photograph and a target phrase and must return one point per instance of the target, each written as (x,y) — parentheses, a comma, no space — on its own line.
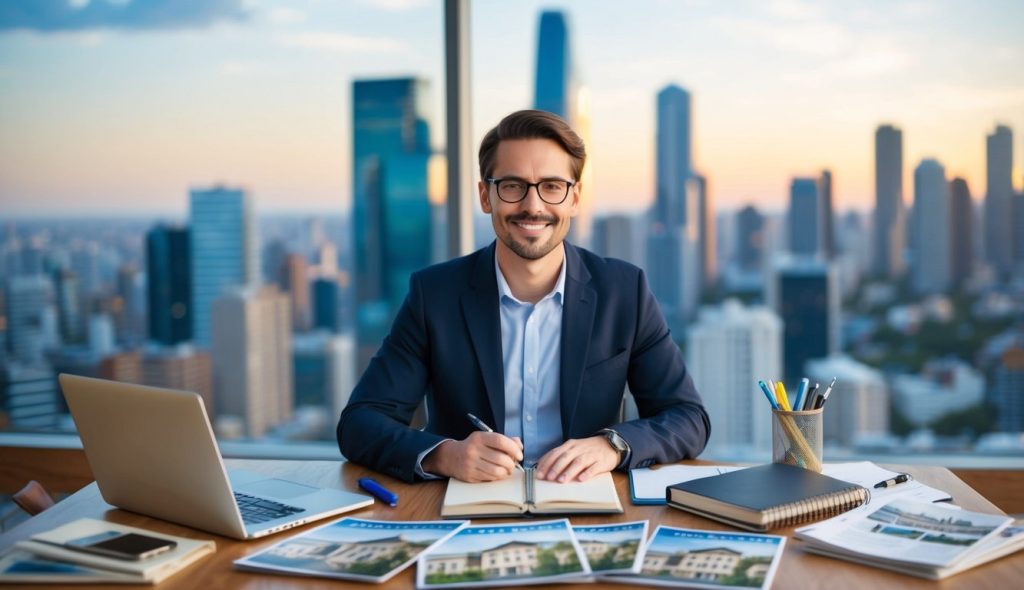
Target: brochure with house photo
(707,559)
(916,538)
(504,555)
(612,548)
(352,549)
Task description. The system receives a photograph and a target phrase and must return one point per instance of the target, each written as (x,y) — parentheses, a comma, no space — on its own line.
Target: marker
(800,393)
(380,492)
(768,394)
(901,478)
(780,393)
(481,425)
(811,403)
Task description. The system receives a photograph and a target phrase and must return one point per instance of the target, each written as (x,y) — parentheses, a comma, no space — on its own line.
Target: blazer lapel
(577,324)
(480,310)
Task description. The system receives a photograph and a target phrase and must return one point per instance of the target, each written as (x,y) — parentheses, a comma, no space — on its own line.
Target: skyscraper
(729,348)
(31,318)
(552,90)
(297,286)
(169,284)
(889,232)
(391,207)
(961,230)
(673,164)
(750,239)
(805,217)
(252,358)
(619,236)
(931,260)
(858,407)
(828,221)
(69,318)
(697,189)
(223,249)
(998,197)
(326,299)
(805,294)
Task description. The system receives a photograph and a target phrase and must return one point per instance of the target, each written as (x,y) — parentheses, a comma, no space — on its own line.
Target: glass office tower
(804,218)
(674,164)
(223,245)
(998,224)
(553,82)
(889,234)
(391,208)
(805,294)
(169,277)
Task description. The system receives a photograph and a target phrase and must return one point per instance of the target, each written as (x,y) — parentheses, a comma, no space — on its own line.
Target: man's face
(530,228)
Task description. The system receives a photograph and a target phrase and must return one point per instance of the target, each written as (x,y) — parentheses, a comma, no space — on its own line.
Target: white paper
(649,484)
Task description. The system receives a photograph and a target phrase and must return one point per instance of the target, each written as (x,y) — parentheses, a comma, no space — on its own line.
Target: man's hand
(578,460)
(481,456)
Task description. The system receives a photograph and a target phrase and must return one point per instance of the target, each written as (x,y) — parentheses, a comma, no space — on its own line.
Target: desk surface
(423,502)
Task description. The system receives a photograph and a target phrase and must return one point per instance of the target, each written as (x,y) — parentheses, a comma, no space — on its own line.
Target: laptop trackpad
(277,488)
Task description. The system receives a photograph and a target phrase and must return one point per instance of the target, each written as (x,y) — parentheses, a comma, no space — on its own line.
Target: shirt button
(529,370)
(529,418)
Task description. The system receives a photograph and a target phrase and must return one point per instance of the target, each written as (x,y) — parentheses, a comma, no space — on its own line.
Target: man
(534,336)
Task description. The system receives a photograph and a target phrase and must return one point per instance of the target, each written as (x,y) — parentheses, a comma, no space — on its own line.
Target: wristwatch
(618,443)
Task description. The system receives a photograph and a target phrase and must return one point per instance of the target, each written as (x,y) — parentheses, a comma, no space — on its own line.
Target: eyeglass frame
(534,185)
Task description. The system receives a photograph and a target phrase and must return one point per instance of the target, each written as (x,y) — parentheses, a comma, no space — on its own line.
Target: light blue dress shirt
(531,350)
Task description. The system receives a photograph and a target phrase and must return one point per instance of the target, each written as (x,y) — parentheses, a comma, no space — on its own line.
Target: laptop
(152,451)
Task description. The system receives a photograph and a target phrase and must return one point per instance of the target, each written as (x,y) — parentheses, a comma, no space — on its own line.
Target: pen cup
(796,438)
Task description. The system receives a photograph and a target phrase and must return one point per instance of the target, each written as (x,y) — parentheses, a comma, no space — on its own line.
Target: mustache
(528,218)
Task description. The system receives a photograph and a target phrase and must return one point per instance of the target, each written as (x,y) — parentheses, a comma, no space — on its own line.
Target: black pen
(901,478)
(481,425)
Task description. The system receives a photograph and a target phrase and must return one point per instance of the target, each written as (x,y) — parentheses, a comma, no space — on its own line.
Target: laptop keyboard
(256,510)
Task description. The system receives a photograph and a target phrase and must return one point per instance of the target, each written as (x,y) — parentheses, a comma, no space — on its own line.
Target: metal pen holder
(797,438)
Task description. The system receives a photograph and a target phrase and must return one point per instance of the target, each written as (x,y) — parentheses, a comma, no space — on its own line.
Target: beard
(532,249)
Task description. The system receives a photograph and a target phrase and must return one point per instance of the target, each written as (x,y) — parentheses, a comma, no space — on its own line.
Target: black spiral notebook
(767,496)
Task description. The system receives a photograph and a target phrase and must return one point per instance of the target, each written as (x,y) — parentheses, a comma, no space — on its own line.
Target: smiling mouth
(530,226)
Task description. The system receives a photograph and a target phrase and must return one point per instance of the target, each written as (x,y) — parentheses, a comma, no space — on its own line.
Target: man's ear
(485,196)
(576,194)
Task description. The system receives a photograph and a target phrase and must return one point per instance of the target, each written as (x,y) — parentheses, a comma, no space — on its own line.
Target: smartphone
(127,546)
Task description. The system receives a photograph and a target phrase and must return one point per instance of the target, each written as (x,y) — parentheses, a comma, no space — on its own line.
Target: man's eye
(553,186)
(512,185)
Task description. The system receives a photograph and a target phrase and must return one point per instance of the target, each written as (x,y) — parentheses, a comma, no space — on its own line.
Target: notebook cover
(763,487)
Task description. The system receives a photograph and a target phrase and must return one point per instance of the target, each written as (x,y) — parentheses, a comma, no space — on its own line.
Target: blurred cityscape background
(230,197)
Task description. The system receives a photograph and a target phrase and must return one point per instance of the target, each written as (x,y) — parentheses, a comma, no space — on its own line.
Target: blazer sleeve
(374,426)
(673,424)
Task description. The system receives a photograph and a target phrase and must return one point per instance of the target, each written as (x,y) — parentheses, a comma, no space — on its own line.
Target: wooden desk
(423,501)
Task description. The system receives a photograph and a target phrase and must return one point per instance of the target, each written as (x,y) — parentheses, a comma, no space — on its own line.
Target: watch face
(615,440)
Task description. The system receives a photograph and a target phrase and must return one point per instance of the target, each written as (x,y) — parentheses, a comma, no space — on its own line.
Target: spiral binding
(816,507)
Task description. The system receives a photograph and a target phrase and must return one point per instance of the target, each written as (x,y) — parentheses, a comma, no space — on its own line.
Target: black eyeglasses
(552,191)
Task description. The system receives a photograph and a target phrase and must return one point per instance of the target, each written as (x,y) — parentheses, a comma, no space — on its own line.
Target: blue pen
(768,394)
(380,492)
(804,384)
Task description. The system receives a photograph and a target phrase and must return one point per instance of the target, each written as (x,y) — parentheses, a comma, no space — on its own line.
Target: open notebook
(521,493)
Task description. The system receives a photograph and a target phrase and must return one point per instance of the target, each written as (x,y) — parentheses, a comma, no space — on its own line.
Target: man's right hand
(481,456)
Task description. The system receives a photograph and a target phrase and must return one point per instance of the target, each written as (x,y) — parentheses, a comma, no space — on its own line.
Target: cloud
(61,15)
(286,16)
(341,42)
(396,5)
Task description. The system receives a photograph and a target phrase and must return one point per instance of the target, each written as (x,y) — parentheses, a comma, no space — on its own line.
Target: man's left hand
(578,460)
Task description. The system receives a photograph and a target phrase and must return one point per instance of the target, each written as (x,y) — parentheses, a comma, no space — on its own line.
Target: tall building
(750,239)
(29,398)
(729,348)
(553,86)
(326,304)
(673,164)
(31,318)
(889,231)
(858,407)
(1018,233)
(169,284)
(931,260)
(223,248)
(961,231)
(391,208)
(998,226)
(324,372)
(805,294)
(805,217)
(69,317)
(619,236)
(131,314)
(252,358)
(1008,391)
(828,220)
(697,190)
(297,287)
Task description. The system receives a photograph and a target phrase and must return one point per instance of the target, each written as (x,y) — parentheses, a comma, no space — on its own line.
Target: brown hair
(532,124)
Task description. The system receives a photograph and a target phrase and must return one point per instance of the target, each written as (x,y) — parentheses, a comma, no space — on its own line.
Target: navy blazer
(445,344)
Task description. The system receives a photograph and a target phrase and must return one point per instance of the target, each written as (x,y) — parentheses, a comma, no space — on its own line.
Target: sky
(121,106)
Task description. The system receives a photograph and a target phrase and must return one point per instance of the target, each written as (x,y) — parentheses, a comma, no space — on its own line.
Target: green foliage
(971,421)
(473,575)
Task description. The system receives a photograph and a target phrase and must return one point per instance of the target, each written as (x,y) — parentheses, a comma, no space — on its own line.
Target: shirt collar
(505,291)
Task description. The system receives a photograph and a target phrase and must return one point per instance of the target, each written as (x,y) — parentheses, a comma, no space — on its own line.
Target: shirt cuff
(419,462)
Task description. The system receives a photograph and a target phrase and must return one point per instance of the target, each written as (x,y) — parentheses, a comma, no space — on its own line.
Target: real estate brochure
(612,548)
(522,493)
(504,555)
(44,558)
(352,549)
(916,538)
(707,559)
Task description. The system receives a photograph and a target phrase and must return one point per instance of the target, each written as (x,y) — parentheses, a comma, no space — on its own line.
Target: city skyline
(125,118)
